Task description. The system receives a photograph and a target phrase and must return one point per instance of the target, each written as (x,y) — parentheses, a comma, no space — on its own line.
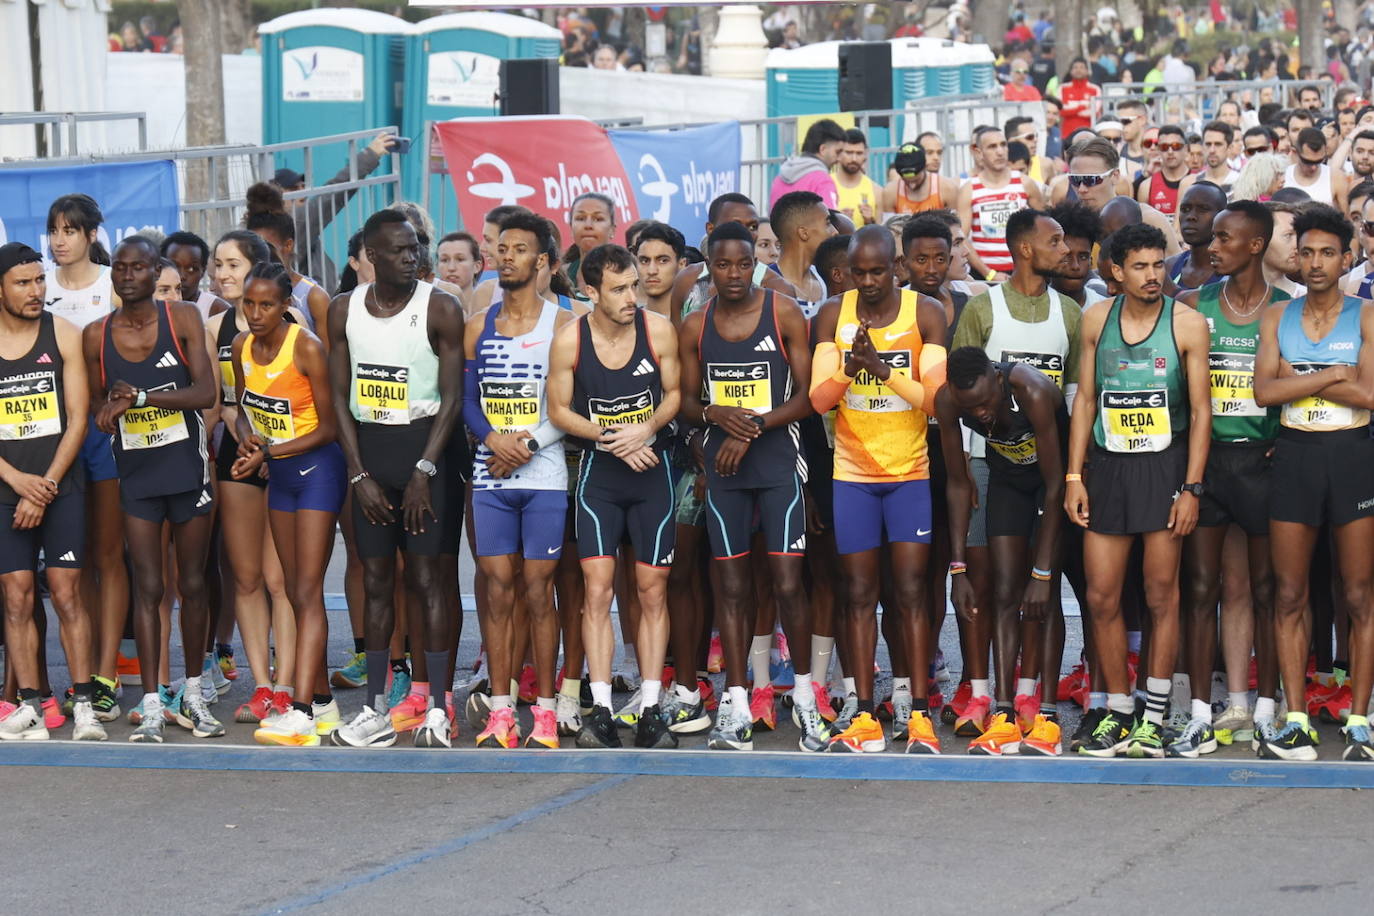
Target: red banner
(543,163)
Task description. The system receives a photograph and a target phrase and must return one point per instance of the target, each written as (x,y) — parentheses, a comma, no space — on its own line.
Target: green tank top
(1141,399)
(1231,360)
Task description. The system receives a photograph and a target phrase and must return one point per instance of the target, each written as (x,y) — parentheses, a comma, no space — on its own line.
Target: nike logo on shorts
(554,550)
(922,532)
(305,471)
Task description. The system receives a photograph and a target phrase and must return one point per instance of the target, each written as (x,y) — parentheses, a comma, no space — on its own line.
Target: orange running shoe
(973,721)
(863,736)
(1330,706)
(258,707)
(763,708)
(1044,738)
(715,656)
(501,730)
(545,731)
(410,713)
(1027,708)
(920,734)
(1001,737)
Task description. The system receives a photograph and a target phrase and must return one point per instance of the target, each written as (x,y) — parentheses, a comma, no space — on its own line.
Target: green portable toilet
(452,70)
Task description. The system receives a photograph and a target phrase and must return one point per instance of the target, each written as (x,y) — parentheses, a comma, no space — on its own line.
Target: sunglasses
(1080,180)
(1148,143)
(1256,150)
(1169,147)
(1368,228)
(1312,162)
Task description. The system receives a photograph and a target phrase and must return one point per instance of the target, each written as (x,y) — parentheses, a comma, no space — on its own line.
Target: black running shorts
(1237,486)
(61,534)
(1133,494)
(1321,478)
(389,454)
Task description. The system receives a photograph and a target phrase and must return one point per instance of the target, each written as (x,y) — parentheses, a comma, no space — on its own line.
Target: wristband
(51,481)
(1073,478)
(141,399)
(1044,575)
(357,477)
(991,274)
(956,568)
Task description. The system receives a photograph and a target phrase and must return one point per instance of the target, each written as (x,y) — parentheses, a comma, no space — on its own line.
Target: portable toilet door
(453,71)
(978,72)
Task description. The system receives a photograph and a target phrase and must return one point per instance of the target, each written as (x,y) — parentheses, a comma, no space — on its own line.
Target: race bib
(1136,421)
(152,427)
(1021,451)
(511,404)
(28,407)
(621,411)
(383,394)
(869,394)
(270,417)
(746,385)
(1051,365)
(995,214)
(1313,413)
(1233,385)
(226,372)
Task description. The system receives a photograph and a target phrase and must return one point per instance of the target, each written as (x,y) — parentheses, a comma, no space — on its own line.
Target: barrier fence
(1198,102)
(56,133)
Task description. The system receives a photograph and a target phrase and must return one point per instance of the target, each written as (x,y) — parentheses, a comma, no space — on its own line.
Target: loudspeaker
(865,76)
(530,87)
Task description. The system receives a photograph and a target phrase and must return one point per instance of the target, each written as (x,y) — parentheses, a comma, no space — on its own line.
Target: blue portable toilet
(453,71)
(978,72)
(806,81)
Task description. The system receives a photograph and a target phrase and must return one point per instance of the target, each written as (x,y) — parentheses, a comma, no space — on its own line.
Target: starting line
(700,763)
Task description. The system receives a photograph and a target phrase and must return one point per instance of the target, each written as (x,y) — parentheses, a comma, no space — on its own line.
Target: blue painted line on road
(449,847)
(702,763)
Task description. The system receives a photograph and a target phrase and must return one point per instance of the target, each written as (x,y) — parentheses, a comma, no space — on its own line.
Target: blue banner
(676,174)
(134,196)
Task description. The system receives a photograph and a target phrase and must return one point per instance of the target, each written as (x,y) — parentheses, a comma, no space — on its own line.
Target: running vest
(1181,262)
(931,201)
(849,200)
(513,374)
(1164,194)
(205,301)
(224,353)
(158,451)
(701,288)
(616,397)
(1012,445)
(991,208)
(1341,346)
(753,373)
(394,368)
(1319,190)
(277,397)
(1231,362)
(33,409)
(1142,400)
(300,296)
(81,306)
(879,437)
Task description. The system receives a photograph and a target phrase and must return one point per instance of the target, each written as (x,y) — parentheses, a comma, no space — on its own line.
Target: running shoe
(934,698)
(1027,708)
(624,680)
(849,708)
(6,707)
(1109,737)
(686,718)
(920,734)
(708,694)
(863,736)
(1197,738)
(501,730)
(1359,743)
(815,733)
(128,671)
(973,721)
(569,717)
(326,716)
(1147,740)
(763,708)
(1233,724)
(195,715)
(400,687)
(1044,738)
(1086,726)
(225,659)
(104,700)
(25,723)
(477,709)
(653,731)
(586,702)
(52,713)
(628,715)
(211,673)
(409,714)
(481,677)
(1332,706)
(281,704)
(901,715)
(782,675)
(85,725)
(598,730)
(715,656)
(1265,730)
(1178,718)
(150,728)
(528,690)
(938,669)
(1291,742)
(1001,737)
(435,730)
(823,707)
(1075,680)
(955,707)
(170,701)
(544,733)
(293,729)
(258,707)
(353,674)
(734,730)
(369,728)
(68,700)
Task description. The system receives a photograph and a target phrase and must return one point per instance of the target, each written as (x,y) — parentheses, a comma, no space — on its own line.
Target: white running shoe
(24,724)
(327,717)
(292,728)
(1233,725)
(86,727)
(569,715)
(369,728)
(434,732)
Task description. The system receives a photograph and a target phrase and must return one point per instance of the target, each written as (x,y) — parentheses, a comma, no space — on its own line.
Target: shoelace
(1194,731)
(1358,734)
(1108,724)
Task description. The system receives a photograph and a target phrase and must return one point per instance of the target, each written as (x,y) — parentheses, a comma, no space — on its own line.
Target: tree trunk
(200,24)
(1068,33)
(1311,34)
(236,23)
(1347,14)
(707,17)
(989,22)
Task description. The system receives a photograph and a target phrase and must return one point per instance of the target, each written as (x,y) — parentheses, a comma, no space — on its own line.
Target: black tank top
(1011,440)
(158,451)
(753,373)
(33,410)
(616,397)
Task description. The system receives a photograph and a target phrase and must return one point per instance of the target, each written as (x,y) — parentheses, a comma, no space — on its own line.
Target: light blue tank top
(1340,347)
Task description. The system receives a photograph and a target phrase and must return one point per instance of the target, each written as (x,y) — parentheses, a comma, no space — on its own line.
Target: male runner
(43,404)
(1216,151)
(1144,405)
(692,287)
(917,187)
(857,196)
(1281,257)
(1311,174)
(519,475)
(1161,190)
(614,385)
(1316,354)
(149,370)
(396,364)
(661,253)
(1091,179)
(1075,278)
(831,262)
(1192,267)
(745,361)
(988,200)
(1236,490)
(802,222)
(881,359)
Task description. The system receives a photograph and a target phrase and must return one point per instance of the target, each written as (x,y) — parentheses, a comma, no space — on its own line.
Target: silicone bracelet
(1073,478)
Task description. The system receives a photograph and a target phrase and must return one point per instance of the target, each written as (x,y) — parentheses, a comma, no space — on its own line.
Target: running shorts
(61,535)
(820,467)
(1133,494)
(97,454)
(732,517)
(1015,501)
(527,522)
(864,511)
(388,455)
(315,480)
(644,511)
(1236,487)
(225,456)
(177,508)
(1322,478)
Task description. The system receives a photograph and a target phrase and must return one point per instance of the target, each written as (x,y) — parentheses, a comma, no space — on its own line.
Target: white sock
(652,689)
(739,699)
(1202,710)
(801,692)
(849,688)
(601,693)
(1025,686)
(1265,708)
(514,687)
(193,684)
(687,696)
(151,701)
(758,659)
(503,701)
(822,648)
(901,686)
(1241,699)
(1120,703)
(981,688)
(541,702)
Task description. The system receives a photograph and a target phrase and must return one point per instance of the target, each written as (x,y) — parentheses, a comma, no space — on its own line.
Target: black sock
(84,691)
(322,699)
(357,646)
(866,706)
(920,704)
(376,676)
(437,663)
(406,644)
(223,650)
(303,707)
(26,694)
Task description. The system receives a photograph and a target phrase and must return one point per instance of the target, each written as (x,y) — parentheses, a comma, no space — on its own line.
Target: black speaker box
(865,76)
(530,87)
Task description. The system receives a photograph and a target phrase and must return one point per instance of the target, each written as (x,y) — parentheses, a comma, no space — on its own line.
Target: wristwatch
(532,445)
(1193,488)
(426,467)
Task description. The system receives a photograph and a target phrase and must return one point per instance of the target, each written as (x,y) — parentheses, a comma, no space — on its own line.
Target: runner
(190,253)
(43,404)
(1323,471)
(149,371)
(1310,173)
(1236,492)
(592,221)
(460,263)
(396,382)
(1217,138)
(613,384)
(266,215)
(287,418)
(916,188)
(802,222)
(1161,189)
(881,471)
(857,196)
(744,365)
(519,477)
(1146,408)
(661,252)
(1192,268)
(1076,278)
(693,287)
(1091,179)
(993,194)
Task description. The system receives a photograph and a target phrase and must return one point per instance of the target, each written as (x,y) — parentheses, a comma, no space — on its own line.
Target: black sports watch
(532,445)
(1193,488)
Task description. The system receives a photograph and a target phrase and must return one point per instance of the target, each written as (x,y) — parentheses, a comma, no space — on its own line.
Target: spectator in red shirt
(1080,98)
(1020,89)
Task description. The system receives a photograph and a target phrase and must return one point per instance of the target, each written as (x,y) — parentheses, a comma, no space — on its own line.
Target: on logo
(507,190)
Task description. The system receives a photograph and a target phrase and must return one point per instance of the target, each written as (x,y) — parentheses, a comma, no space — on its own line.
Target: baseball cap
(16,253)
(288,179)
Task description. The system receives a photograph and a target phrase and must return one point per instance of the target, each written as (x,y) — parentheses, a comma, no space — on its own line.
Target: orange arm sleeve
(828,381)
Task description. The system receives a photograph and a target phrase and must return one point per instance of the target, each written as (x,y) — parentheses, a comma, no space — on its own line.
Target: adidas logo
(799,543)
(766,345)
(204,499)
(167,360)
(68,557)
(45,358)
(644,368)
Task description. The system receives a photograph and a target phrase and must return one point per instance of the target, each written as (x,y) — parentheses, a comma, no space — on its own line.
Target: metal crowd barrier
(50,126)
(1198,102)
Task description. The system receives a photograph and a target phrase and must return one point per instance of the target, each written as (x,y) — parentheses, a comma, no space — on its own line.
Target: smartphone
(400,145)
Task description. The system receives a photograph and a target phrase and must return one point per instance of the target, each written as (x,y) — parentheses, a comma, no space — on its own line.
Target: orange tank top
(277,396)
(929,202)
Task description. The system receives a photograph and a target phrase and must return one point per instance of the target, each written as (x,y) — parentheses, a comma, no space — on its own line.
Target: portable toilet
(452,70)
(978,72)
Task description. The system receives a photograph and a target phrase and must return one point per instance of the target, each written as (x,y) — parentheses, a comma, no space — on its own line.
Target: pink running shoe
(501,730)
(409,714)
(545,731)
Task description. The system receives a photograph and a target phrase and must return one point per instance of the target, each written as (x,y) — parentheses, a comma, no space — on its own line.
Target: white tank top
(1319,190)
(81,306)
(300,294)
(203,302)
(394,369)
